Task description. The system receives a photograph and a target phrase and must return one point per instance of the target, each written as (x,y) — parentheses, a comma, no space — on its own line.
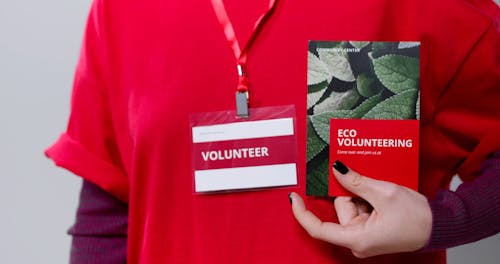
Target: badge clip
(242,94)
(242,104)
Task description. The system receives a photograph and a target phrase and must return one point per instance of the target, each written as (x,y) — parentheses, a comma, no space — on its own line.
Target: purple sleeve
(470,213)
(100,231)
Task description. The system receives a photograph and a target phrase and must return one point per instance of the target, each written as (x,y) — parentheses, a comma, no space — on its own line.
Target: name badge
(234,154)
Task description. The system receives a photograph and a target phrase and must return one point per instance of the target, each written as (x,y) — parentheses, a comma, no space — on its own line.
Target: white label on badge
(243,130)
(245,177)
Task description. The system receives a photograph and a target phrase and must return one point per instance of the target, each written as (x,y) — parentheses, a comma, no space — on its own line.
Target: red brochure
(381,149)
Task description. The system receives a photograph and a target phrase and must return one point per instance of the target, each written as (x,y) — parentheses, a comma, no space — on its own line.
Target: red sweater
(145,67)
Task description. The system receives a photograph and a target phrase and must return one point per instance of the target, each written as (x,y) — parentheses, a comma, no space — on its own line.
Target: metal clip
(241,97)
(242,104)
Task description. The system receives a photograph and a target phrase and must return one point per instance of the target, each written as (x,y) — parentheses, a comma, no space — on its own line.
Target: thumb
(365,187)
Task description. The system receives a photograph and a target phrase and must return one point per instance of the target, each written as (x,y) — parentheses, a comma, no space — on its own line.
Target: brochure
(363,109)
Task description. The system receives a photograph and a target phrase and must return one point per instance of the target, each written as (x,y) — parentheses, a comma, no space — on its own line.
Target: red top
(146,66)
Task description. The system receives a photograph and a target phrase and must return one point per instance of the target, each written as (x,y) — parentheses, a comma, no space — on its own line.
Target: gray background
(39,43)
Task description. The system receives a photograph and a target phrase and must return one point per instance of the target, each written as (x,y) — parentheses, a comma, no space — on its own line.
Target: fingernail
(290,197)
(340,167)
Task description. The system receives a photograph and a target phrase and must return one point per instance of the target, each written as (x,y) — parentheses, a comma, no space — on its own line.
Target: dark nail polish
(340,167)
(290,197)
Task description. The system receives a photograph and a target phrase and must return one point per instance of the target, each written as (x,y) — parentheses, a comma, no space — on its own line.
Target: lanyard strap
(240,54)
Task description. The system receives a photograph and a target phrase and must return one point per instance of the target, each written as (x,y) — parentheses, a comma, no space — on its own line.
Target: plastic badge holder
(230,153)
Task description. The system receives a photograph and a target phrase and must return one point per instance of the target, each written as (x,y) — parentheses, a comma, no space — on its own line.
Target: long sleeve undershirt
(100,231)
(470,213)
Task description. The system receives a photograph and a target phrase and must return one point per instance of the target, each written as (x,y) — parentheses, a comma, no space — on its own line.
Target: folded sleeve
(468,112)
(89,147)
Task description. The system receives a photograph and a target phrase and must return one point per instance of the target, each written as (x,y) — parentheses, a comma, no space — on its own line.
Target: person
(145,67)
(453,218)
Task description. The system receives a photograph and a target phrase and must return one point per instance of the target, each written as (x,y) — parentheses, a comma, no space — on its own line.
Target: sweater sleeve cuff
(100,231)
(469,214)
(89,250)
(447,216)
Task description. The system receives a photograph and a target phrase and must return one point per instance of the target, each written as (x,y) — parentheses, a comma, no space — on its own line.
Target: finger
(367,188)
(362,206)
(361,219)
(345,208)
(326,231)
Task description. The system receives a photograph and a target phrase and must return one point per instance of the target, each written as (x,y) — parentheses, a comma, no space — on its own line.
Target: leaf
(397,73)
(417,107)
(366,106)
(367,86)
(381,48)
(399,106)
(313,98)
(408,44)
(337,63)
(359,44)
(317,177)
(314,143)
(321,122)
(317,71)
(338,101)
(329,44)
(317,87)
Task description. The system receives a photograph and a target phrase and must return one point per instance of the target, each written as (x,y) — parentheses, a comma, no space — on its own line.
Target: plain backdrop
(39,45)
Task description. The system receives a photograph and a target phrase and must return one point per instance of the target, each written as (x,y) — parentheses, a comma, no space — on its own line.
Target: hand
(397,219)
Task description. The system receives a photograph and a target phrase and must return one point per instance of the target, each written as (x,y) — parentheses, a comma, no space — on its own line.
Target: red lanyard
(240,54)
